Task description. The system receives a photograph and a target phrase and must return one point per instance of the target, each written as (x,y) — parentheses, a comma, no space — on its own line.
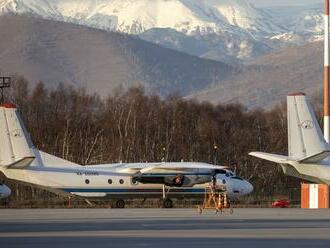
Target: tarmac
(34,228)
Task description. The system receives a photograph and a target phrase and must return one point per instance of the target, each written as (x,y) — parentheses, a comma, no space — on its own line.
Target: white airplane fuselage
(105,181)
(317,173)
(20,160)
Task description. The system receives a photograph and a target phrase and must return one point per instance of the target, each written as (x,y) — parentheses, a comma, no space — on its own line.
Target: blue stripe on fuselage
(99,190)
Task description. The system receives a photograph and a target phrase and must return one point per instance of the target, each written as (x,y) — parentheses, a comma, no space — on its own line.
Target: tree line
(132,126)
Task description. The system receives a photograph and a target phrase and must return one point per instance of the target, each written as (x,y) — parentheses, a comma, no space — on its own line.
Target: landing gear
(120,203)
(166,202)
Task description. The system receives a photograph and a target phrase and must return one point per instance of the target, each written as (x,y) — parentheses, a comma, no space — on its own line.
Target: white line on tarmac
(298,233)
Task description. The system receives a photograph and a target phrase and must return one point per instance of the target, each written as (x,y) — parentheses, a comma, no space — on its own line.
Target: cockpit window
(239,178)
(229,174)
(220,171)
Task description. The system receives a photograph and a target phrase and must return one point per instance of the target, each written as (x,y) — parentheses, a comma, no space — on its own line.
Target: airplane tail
(16,150)
(305,139)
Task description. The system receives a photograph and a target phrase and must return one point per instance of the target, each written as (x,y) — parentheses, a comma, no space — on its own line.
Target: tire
(167,203)
(120,203)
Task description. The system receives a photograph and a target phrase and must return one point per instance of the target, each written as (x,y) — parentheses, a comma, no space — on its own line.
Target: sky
(284,2)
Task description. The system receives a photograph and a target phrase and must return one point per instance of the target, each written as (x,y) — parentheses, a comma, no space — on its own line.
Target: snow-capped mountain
(304,24)
(218,29)
(137,16)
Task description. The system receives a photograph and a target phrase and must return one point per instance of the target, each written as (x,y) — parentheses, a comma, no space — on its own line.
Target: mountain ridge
(54,52)
(266,81)
(234,27)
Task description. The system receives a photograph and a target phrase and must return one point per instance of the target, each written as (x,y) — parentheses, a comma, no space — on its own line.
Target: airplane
(20,160)
(308,152)
(4,191)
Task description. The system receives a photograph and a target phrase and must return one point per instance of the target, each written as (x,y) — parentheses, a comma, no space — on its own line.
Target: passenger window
(87,181)
(121,181)
(109,181)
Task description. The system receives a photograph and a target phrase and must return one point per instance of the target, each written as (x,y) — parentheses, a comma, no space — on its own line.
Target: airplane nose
(249,187)
(7,191)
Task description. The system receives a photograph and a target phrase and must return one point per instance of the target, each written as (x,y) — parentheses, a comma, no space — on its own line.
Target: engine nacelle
(187,181)
(178,180)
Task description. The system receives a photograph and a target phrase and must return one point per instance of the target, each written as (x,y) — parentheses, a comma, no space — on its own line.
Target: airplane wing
(181,167)
(176,174)
(156,167)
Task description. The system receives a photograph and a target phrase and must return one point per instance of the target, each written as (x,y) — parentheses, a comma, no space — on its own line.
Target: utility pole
(215,153)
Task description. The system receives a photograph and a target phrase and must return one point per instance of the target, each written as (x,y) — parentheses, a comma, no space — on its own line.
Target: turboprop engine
(177,180)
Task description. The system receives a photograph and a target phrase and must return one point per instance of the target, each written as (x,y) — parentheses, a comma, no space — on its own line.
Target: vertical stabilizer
(15,142)
(305,138)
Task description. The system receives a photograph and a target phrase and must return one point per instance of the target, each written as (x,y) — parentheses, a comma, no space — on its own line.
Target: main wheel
(167,203)
(120,203)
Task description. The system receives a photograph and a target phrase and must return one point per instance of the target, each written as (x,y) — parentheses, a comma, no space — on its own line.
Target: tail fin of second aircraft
(16,150)
(305,138)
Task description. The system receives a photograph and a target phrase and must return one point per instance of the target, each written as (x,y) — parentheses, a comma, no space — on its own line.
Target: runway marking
(302,233)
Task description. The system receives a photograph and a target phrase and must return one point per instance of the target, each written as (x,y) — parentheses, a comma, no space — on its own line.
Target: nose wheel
(166,202)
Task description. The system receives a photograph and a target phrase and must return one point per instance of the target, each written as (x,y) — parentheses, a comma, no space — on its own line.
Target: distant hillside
(56,52)
(266,81)
(102,61)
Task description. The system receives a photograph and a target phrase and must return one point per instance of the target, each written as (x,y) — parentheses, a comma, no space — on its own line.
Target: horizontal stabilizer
(22,163)
(315,158)
(53,161)
(280,159)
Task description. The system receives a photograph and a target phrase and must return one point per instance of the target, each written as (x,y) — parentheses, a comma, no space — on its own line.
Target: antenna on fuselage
(5,82)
